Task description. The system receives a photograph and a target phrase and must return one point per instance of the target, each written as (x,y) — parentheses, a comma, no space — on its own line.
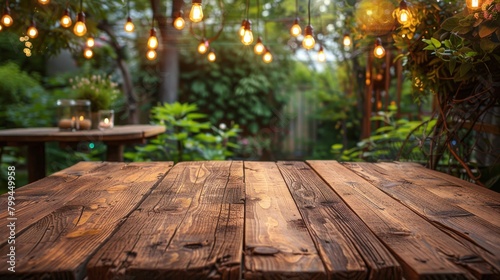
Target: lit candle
(105,124)
(475,3)
(84,124)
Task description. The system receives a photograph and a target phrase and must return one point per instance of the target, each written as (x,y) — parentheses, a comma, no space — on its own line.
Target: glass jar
(65,114)
(82,115)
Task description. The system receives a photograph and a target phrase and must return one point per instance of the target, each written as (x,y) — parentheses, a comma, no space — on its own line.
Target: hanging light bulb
(295,30)
(379,50)
(196,13)
(259,48)
(211,56)
(90,42)
(321,54)
(129,25)
(88,53)
(247,38)
(80,28)
(151,54)
(308,42)
(152,41)
(44,2)
(65,20)
(32,31)
(267,57)
(178,22)
(6,18)
(403,14)
(473,4)
(347,40)
(203,46)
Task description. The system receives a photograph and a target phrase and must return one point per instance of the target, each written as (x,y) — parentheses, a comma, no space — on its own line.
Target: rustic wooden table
(35,139)
(250,220)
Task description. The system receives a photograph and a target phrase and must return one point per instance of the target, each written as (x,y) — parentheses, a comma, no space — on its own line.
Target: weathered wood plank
(423,250)
(60,241)
(190,227)
(427,198)
(277,244)
(338,233)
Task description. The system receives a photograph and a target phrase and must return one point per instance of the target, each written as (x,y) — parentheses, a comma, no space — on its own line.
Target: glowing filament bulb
(403,14)
(247,38)
(66,19)
(321,55)
(6,18)
(203,47)
(90,42)
(151,55)
(196,13)
(259,48)
(152,41)
(379,50)
(241,31)
(473,4)
(179,23)
(347,40)
(267,57)
(44,2)
(80,28)
(211,56)
(129,25)
(295,30)
(87,53)
(308,42)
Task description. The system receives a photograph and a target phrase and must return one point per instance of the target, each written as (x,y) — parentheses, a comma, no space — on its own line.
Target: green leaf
(465,68)
(436,42)
(450,23)
(485,30)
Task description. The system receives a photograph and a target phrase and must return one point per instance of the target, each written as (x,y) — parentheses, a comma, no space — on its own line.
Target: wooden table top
(47,134)
(251,220)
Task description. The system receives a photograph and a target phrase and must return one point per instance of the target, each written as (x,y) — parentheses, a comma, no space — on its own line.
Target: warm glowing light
(295,30)
(321,55)
(203,47)
(87,53)
(152,41)
(65,20)
(6,18)
(247,38)
(80,28)
(90,42)
(151,55)
(211,56)
(308,42)
(403,14)
(44,2)
(347,40)
(259,48)
(196,13)
(267,57)
(129,25)
(32,31)
(241,31)
(473,4)
(379,50)
(179,23)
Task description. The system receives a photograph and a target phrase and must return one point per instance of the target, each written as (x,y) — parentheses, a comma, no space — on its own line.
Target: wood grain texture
(60,228)
(277,244)
(434,199)
(190,227)
(423,250)
(342,239)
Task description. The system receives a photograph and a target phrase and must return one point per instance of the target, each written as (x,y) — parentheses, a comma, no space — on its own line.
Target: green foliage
(100,90)
(187,137)
(392,140)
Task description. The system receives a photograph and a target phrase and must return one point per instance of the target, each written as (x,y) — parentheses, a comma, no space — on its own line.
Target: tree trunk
(128,88)
(168,54)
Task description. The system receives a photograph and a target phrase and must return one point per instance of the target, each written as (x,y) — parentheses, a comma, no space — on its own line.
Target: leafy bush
(187,137)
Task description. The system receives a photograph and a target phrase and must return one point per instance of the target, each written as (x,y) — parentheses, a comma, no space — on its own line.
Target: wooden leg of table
(114,153)
(36,161)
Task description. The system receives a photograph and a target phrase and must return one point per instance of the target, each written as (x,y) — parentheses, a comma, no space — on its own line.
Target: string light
(32,31)
(267,57)
(321,54)
(259,48)
(90,42)
(473,4)
(6,18)
(308,42)
(403,15)
(80,28)
(178,22)
(379,50)
(129,25)
(203,46)
(65,20)
(211,56)
(151,55)
(295,30)
(347,40)
(196,13)
(247,38)
(241,31)
(152,41)
(44,2)
(88,53)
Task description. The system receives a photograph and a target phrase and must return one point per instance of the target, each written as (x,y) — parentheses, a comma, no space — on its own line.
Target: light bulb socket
(129,19)
(259,40)
(378,42)
(248,24)
(81,17)
(308,30)
(196,2)
(403,5)
(152,32)
(177,14)
(296,21)
(321,48)
(6,10)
